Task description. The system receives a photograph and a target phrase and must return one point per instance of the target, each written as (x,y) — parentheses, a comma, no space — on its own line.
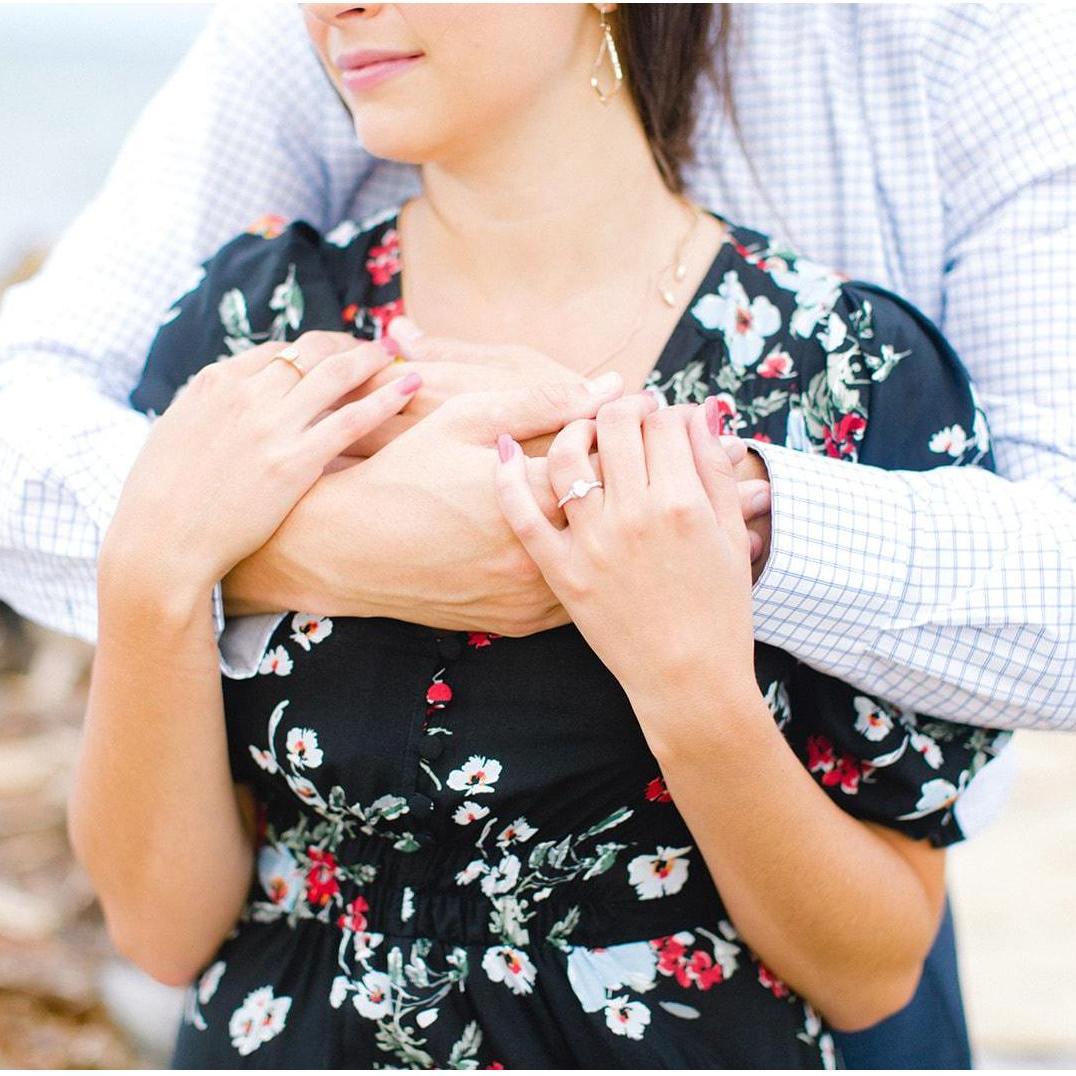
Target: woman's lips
(370,74)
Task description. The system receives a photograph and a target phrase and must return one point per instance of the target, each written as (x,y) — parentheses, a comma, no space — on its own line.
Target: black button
(449,647)
(432,747)
(419,806)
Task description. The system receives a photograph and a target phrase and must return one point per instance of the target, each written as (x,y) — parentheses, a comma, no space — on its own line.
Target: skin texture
(486,229)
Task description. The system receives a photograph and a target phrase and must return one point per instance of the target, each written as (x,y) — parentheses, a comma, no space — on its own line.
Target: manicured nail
(605,384)
(760,502)
(506,447)
(404,331)
(713,416)
(389,345)
(409,383)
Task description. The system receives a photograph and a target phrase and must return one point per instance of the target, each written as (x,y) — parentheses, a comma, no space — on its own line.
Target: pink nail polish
(506,447)
(713,416)
(409,383)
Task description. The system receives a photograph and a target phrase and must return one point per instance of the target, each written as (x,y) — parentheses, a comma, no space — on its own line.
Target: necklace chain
(678,270)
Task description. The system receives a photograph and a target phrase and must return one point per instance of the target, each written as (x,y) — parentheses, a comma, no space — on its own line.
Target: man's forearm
(951,592)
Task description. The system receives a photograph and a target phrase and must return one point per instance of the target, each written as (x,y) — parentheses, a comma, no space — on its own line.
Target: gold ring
(290,355)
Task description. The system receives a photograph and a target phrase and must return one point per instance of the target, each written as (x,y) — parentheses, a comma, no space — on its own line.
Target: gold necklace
(677,268)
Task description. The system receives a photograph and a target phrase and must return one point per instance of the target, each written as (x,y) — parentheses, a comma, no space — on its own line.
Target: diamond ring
(579,488)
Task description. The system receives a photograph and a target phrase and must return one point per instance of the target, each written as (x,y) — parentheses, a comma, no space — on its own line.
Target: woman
(634,840)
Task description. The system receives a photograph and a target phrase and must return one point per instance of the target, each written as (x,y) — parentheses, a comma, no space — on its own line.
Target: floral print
(466,854)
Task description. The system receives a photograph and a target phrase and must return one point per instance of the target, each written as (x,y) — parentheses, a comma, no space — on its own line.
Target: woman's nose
(334,13)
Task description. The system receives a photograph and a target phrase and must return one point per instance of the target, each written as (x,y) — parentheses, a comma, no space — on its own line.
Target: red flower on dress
(695,968)
(840,440)
(656,792)
(777,363)
(761,437)
(354,918)
(478,639)
(771,982)
(382,315)
(384,260)
(268,226)
(819,754)
(349,313)
(438,695)
(321,883)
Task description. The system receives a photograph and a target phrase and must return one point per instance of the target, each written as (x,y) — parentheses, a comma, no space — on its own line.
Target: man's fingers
(530,412)
(754,498)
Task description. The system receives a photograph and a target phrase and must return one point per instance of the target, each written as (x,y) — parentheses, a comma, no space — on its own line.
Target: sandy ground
(1014,893)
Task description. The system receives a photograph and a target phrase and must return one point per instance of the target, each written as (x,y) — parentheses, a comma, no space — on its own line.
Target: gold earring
(608,45)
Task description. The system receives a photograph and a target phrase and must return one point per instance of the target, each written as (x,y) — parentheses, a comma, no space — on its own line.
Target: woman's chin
(385,141)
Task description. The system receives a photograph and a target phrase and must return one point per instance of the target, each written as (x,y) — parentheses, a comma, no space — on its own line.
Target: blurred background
(72,80)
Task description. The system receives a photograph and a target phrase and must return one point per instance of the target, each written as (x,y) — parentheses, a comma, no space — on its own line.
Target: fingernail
(506,447)
(713,416)
(389,345)
(607,383)
(404,331)
(760,502)
(409,383)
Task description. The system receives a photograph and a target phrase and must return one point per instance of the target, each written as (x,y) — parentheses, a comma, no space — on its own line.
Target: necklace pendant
(667,295)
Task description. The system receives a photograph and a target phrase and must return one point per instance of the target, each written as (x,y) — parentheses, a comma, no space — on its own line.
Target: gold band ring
(290,355)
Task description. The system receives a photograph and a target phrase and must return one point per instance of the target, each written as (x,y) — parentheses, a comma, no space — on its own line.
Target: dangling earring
(608,45)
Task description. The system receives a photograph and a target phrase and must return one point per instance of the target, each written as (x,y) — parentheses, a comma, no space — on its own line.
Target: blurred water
(73,77)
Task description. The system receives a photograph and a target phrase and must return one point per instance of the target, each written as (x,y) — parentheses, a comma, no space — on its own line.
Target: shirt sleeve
(883,386)
(225,141)
(953,590)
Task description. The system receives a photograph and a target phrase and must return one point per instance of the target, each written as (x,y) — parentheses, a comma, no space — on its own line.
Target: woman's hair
(665,49)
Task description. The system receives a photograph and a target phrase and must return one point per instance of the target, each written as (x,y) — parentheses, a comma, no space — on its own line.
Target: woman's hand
(239,446)
(654,569)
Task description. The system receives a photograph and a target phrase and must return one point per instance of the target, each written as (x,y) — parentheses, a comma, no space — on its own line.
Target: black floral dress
(467,856)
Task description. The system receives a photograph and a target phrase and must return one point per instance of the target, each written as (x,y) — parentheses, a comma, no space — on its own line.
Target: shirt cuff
(241,640)
(840,555)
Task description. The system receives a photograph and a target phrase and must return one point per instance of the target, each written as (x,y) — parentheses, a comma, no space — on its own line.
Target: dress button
(431,748)
(449,647)
(419,806)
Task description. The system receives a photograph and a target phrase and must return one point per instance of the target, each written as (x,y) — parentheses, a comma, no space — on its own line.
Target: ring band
(579,488)
(290,355)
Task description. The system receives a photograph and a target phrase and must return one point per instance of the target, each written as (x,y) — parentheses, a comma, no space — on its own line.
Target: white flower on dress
(476,775)
(872,720)
(304,789)
(594,974)
(796,430)
(659,875)
(473,870)
(928,748)
(339,991)
(744,323)
(264,759)
(520,830)
(828,1051)
(468,812)
(934,796)
(280,876)
(207,984)
(777,700)
(817,288)
(501,878)
(624,1017)
(276,661)
(303,750)
(373,995)
(260,1018)
(307,628)
(513,967)
(365,942)
(343,233)
(952,441)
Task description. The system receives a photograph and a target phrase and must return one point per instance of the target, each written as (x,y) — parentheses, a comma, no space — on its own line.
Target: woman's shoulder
(273,281)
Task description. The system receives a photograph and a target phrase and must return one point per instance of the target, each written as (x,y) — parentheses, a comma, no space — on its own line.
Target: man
(930,150)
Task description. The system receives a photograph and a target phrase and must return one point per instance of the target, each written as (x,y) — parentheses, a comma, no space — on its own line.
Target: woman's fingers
(713,466)
(620,445)
(278,376)
(670,460)
(333,377)
(342,427)
(545,545)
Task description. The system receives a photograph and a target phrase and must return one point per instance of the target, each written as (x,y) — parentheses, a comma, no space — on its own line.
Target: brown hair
(665,50)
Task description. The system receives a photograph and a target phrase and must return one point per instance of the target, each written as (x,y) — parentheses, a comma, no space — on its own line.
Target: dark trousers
(930,1031)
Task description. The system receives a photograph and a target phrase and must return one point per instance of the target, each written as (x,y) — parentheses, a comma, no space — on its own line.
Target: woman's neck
(540,212)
